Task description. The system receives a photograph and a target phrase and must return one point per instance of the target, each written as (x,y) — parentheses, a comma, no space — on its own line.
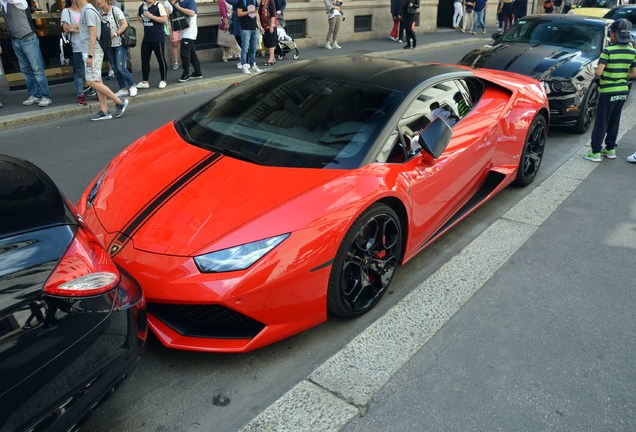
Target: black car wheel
(533,150)
(365,262)
(586,114)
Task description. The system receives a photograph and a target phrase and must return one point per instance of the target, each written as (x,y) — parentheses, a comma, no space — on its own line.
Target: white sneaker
(246,69)
(132,91)
(255,69)
(162,84)
(328,46)
(122,92)
(335,45)
(239,65)
(142,85)
(44,102)
(32,100)
(631,158)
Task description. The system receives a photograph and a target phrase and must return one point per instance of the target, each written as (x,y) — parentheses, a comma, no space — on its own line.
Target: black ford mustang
(72,325)
(562,51)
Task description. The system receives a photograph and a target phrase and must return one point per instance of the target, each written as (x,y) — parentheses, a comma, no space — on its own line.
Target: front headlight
(562,86)
(237,257)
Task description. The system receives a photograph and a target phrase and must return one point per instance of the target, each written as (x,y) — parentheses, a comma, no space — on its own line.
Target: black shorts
(269,39)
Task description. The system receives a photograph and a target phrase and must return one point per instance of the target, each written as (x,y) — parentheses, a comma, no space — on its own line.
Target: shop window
(362,23)
(296,28)
(206,38)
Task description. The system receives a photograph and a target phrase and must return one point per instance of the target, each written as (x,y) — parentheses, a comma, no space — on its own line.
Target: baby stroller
(285,43)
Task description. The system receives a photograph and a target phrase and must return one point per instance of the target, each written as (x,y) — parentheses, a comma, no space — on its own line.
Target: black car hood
(538,61)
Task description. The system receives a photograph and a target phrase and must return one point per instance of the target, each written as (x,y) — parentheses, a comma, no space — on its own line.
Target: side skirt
(491,183)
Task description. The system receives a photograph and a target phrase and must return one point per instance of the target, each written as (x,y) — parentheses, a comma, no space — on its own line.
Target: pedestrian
(557,4)
(395,14)
(235,27)
(548,6)
(267,14)
(188,38)
(409,13)
(615,66)
(26,46)
(250,26)
(93,55)
(500,15)
(519,9)
(567,5)
(479,15)
(507,12)
(153,16)
(173,36)
(70,19)
(469,7)
(118,55)
(334,14)
(280,8)
(458,14)
(225,11)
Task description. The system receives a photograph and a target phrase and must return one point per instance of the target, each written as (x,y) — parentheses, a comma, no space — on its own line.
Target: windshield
(289,120)
(573,35)
(608,4)
(627,13)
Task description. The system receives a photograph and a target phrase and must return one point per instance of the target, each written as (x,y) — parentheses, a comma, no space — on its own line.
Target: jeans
(29,56)
(78,73)
(189,55)
(478,20)
(608,120)
(117,59)
(250,40)
(147,48)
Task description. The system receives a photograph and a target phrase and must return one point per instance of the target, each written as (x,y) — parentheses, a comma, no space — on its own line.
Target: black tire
(365,262)
(586,114)
(533,150)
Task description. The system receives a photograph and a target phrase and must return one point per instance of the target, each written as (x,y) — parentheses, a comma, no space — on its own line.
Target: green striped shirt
(618,60)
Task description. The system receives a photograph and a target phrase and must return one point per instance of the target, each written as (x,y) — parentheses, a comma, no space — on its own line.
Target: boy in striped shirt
(616,65)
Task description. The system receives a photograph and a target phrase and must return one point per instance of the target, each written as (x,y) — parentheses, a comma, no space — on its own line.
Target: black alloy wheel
(586,114)
(365,262)
(533,150)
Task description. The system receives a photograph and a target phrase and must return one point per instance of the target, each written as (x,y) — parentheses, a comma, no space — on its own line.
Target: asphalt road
(188,391)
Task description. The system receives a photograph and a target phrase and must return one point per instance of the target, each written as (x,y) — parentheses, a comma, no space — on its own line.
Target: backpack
(103,33)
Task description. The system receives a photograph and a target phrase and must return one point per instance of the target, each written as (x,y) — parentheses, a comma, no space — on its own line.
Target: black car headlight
(237,257)
(562,86)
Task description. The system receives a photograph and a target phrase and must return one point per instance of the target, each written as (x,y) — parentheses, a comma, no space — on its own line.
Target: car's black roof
(400,75)
(28,197)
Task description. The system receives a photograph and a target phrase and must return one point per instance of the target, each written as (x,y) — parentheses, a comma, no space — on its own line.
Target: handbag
(225,39)
(179,20)
(67,47)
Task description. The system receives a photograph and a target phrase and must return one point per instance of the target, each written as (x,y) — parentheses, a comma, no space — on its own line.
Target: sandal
(269,63)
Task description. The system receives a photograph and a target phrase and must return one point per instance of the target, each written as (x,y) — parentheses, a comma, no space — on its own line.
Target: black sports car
(560,50)
(72,325)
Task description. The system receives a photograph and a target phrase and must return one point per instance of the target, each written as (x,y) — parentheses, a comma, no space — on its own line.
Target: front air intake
(208,321)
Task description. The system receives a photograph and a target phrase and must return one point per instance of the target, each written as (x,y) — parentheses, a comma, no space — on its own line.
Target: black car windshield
(291,120)
(597,3)
(627,13)
(572,35)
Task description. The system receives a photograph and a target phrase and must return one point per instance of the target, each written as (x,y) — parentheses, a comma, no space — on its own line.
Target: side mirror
(496,35)
(435,138)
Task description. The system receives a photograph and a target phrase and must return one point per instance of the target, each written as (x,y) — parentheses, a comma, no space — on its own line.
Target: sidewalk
(14,114)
